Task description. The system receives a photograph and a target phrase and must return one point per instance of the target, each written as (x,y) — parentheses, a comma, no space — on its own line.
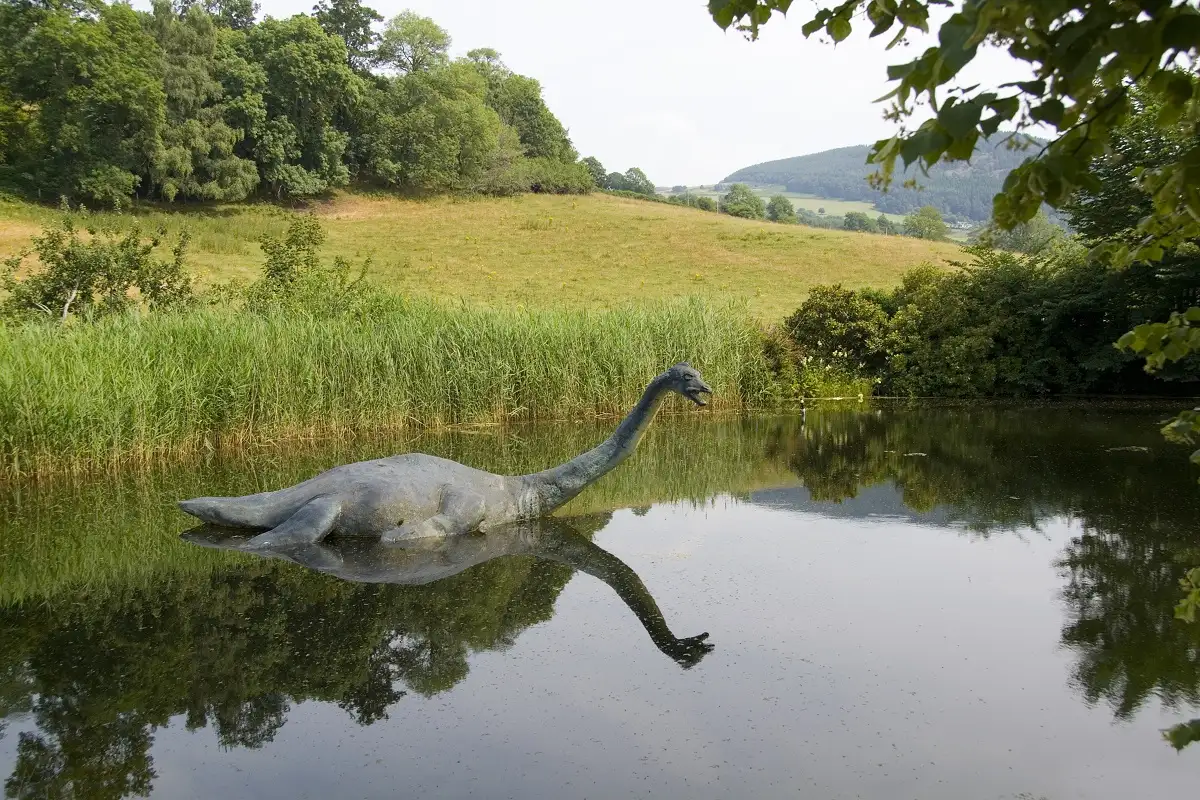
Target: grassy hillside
(965,189)
(541,251)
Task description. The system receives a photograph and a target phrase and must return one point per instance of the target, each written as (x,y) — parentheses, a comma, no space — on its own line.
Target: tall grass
(134,389)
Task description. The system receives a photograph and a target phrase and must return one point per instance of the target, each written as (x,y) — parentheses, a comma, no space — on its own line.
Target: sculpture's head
(685,380)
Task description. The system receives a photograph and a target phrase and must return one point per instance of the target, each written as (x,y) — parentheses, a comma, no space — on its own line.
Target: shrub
(840,327)
(1000,325)
(95,277)
(926,223)
(294,280)
(740,201)
(780,209)
(858,221)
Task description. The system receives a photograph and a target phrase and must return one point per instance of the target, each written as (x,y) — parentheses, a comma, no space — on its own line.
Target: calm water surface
(900,602)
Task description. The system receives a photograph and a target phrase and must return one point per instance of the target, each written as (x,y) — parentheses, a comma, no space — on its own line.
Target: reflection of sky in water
(854,658)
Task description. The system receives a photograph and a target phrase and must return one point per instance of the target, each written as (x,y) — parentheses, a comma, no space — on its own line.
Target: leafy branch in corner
(1084,58)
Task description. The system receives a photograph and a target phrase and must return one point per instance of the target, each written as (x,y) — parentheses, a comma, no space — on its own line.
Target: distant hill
(964,189)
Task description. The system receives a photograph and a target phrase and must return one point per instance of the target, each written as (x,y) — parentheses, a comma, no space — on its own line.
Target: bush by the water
(1001,325)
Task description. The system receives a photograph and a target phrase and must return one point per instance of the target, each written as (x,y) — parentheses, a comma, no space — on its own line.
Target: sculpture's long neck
(554,487)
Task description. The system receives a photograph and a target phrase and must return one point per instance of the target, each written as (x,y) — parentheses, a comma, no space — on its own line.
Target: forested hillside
(957,188)
(196,100)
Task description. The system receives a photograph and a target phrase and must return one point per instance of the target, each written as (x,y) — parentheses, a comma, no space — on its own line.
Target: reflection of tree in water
(996,468)
(233,650)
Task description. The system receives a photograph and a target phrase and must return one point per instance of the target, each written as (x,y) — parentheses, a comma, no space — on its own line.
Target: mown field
(537,251)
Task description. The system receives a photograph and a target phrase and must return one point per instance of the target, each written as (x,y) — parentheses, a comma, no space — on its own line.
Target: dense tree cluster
(633,180)
(100,104)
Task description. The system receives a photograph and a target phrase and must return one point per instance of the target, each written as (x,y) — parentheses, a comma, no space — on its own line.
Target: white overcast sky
(657,85)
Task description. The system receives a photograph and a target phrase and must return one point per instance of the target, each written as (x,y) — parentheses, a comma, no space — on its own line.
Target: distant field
(811,202)
(542,251)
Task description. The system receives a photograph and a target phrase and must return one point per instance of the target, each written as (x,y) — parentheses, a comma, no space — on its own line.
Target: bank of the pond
(138,389)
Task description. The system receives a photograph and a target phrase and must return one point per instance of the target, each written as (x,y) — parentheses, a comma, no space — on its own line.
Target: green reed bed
(135,389)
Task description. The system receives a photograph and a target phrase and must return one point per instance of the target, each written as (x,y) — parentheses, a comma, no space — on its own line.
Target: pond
(901,602)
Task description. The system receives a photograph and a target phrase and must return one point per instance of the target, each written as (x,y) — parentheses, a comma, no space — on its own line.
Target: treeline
(196,101)
(959,189)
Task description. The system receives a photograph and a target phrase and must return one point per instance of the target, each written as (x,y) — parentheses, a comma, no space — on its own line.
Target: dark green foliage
(1084,59)
(87,107)
(706,204)
(597,171)
(1003,325)
(294,280)
(412,43)
(926,223)
(236,15)
(93,277)
(434,132)
(99,104)
(964,189)
(550,176)
(1183,734)
(741,201)
(198,159)
(780,209)
(634,180)
(858,221)
(352,21)
(1030,237)
(298,148)
(885,225)
(518,101)
(817,220)
(841,328)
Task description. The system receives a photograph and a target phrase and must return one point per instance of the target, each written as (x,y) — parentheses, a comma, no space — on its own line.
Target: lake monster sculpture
(414,496)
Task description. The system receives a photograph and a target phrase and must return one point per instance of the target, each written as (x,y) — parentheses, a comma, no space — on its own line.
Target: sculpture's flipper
(311,523)
(460,512)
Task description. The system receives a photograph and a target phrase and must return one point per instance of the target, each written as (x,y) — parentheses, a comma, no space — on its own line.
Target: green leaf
(1051,111)
(897,72)
(1179,89)
(914,14)
(881,16)
(1006,107)
(722,12)
(959,119)
(839,28)
(1183,32)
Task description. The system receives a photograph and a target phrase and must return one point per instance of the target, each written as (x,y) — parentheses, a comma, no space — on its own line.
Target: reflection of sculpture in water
(424,561)
(414,496)
(236,647)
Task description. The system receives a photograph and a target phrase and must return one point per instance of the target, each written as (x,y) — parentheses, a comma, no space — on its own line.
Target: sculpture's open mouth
(696,394)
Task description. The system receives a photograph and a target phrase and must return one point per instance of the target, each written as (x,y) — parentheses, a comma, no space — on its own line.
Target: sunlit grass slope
(542,251)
